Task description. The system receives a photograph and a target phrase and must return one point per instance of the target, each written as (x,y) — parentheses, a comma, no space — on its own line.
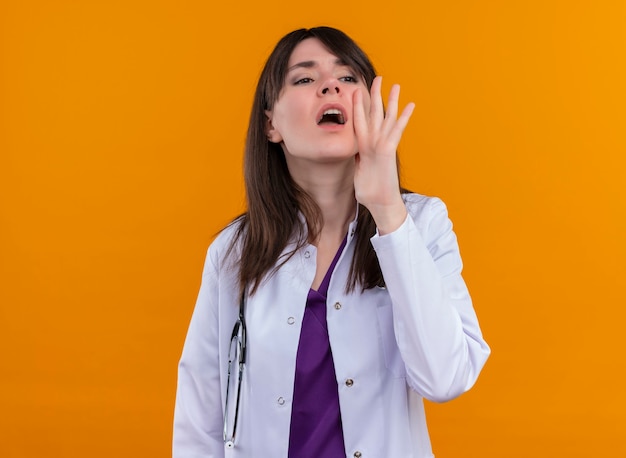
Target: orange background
(121,133)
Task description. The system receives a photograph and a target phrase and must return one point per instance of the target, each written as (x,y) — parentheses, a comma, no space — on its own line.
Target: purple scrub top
(316,429)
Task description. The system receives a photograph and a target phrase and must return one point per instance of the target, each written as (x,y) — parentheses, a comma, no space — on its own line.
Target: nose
(330,86)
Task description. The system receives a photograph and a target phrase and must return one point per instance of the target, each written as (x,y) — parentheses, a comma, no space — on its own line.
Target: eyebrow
(312,63)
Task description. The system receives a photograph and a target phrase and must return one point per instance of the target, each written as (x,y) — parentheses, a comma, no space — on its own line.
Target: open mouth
(332,116)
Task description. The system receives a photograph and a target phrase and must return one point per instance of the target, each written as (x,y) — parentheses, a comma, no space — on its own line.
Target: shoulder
(226,243)
(430,216)
(424,209)
(228,234)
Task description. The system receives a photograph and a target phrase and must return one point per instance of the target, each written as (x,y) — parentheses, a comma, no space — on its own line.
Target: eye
(349,79)
(303,81)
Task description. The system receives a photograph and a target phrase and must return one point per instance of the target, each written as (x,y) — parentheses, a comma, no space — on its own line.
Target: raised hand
(378,134)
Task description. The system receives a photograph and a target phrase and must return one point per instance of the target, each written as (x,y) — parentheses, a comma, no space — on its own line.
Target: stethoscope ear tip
(229,444)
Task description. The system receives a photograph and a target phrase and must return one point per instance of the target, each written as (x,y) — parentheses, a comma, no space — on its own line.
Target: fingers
(392,102)
(377,114)
(398,128)
(377,110)
(358,113)
(375,124)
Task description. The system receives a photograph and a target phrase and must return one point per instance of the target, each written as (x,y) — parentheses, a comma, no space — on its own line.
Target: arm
(434,322)
(198,416)
(436,328)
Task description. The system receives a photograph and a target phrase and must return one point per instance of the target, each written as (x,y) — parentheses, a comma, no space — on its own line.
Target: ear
(272,133)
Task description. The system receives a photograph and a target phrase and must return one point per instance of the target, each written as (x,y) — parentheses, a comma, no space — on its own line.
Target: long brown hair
(274,200)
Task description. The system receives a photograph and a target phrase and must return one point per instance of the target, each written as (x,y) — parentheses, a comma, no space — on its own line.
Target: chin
(331,152)
(336,156)
(339,151)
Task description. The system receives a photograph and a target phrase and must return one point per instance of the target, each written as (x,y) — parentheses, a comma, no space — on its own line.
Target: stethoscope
(236,352)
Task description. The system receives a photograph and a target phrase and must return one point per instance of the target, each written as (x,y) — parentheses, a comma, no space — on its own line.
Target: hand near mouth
(376,183)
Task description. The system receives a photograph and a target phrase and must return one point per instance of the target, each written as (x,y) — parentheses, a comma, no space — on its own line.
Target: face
(313,116)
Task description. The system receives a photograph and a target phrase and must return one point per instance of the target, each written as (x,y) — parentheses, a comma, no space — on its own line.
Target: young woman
(335,303)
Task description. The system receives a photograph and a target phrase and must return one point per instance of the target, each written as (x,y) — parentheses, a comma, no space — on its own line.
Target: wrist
(388,218)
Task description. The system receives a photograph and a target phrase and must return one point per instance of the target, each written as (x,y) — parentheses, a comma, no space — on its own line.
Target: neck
(332,187)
